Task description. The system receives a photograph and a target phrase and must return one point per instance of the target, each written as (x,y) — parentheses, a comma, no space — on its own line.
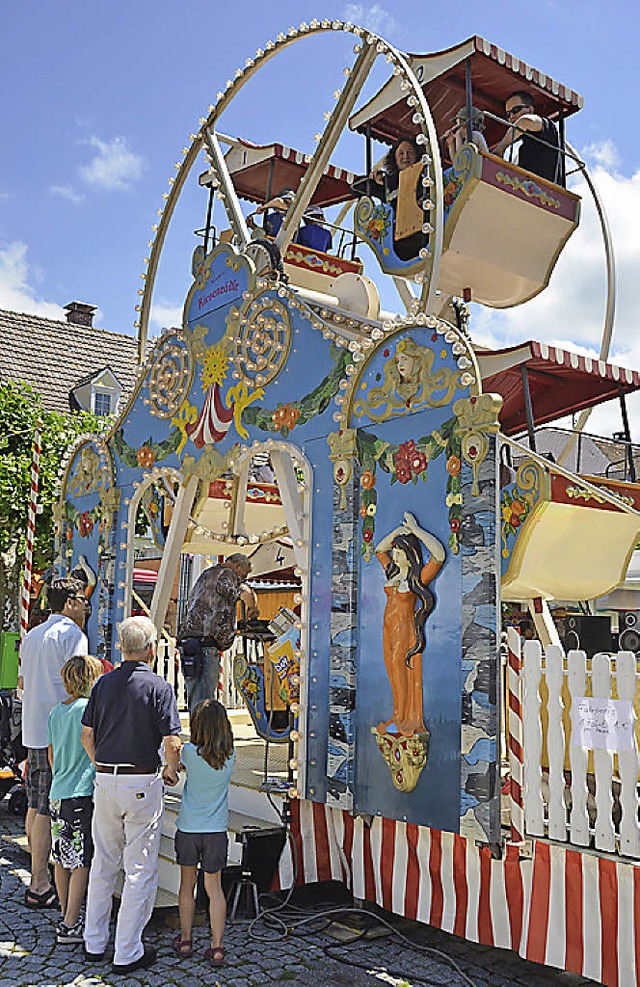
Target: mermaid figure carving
(409,603)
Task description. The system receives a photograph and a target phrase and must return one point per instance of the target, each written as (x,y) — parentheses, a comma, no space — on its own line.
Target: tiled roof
(54,357)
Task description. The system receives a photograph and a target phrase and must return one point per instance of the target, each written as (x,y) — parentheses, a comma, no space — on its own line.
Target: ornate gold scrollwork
(528,188)
(343,451)
(261,330)
(406,757)
(171,375)
(477,418)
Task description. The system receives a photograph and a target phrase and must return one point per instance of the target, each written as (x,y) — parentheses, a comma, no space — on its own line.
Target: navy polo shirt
(130,710)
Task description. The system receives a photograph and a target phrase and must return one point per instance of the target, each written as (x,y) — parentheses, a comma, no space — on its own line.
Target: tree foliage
(20,411)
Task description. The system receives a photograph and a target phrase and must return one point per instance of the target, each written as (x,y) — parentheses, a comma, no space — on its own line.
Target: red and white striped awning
(561,382)
(528,74)
(261,171)
(495,75)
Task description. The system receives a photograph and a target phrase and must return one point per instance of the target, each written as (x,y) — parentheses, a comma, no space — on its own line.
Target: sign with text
(602,724)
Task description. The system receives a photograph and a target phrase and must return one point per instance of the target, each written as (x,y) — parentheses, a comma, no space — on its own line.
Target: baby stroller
(12,753)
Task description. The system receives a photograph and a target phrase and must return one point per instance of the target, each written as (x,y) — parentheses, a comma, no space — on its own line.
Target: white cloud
(114,167)
(165,315)
(67,192)
(604,154)
(373,17)
(16,294)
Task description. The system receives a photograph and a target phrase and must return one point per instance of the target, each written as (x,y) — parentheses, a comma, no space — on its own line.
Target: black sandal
(46,899)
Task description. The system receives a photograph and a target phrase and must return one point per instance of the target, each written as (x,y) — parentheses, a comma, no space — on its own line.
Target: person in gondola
(404,153)
(532,140)
(311,233)
(457,136)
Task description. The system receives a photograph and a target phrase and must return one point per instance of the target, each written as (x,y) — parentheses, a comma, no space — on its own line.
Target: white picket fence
(580,748)
(168,666)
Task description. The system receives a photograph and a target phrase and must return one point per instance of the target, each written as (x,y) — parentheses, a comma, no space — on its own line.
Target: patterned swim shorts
(38,780)
(71,841)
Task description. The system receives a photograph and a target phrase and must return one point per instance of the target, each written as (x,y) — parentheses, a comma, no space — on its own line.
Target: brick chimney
(80,314)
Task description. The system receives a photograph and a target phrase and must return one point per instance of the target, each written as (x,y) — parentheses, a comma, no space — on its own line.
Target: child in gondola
(201,828)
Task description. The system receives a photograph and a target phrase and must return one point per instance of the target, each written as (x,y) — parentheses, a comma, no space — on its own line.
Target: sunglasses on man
(515,109)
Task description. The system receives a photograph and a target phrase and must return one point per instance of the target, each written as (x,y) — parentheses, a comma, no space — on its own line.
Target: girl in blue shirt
(201,827)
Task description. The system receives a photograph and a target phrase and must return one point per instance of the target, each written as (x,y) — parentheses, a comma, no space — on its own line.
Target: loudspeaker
(629,631)
(585,633)
(261,849)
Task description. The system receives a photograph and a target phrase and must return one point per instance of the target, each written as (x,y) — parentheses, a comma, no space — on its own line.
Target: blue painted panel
(217,285)
(435,800)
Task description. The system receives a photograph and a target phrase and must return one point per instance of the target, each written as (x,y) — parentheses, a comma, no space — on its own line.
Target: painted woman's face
(405,155)
(399,557)
(405,365)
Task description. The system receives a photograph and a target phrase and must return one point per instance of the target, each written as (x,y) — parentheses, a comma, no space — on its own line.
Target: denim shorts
(208,849)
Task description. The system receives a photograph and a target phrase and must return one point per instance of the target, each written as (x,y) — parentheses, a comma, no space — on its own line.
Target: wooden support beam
(173,546)
(291,499)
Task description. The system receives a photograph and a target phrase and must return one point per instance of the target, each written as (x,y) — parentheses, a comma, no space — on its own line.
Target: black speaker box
(587,633)
(261,849)
(629,631)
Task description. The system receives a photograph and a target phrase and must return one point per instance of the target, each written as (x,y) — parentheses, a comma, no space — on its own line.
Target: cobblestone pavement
(29,956)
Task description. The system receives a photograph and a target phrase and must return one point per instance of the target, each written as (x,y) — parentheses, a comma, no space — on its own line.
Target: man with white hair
(131,713)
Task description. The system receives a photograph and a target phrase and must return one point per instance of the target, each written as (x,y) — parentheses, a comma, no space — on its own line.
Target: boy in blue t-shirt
(71,796)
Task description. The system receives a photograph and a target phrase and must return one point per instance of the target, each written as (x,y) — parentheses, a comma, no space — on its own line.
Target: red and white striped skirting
(566,908)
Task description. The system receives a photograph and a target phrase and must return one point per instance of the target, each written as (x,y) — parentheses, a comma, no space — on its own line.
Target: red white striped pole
(31,528)
(514,720)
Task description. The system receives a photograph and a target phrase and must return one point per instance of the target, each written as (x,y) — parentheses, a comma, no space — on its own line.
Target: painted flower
(518,508)
(85,524)
(285,416)
(514,521)
(505,511)
(69,533)
(363,510)
(453,499)
(371,510)
(403,472)
(418,462)
(454,524)
(145,456)
(406,451)
(367,480)
(367,534)
(453,465)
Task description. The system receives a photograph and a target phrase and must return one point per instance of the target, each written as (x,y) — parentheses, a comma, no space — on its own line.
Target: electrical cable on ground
(284,928)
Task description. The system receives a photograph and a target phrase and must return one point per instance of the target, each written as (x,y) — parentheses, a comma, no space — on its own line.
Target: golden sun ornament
(215,364)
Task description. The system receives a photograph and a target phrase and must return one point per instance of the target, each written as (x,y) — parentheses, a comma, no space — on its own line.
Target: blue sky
(100,99)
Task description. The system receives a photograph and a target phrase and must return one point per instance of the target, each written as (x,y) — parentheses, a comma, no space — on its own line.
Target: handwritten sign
(602,724)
